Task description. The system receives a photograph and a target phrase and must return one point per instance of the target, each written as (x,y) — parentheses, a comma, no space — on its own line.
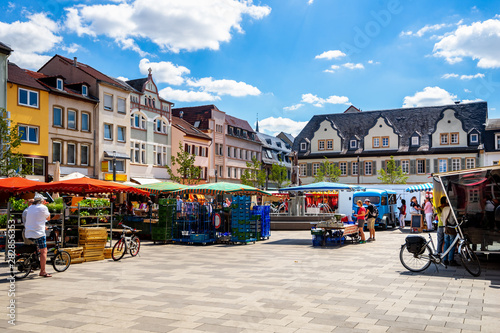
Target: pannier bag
(415,244)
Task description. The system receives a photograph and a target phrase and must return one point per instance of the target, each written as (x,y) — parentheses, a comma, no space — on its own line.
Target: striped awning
(420,188)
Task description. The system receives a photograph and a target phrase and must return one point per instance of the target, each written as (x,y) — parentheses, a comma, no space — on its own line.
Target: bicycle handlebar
(126,227)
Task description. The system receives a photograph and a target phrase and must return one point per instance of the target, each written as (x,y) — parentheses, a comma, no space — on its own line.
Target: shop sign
(105,166)
(119,177)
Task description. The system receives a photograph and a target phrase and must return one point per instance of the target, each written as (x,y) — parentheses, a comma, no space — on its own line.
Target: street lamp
(114,165)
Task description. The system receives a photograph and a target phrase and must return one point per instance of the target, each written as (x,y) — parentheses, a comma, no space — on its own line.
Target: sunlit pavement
(279,285)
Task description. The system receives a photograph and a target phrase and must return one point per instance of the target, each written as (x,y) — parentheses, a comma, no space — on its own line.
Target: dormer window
(85,91)
(353,144)
(59,84)
(415,140)
(303,146)
(474,138)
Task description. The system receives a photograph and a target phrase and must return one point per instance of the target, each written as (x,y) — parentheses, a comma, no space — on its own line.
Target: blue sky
(285,60)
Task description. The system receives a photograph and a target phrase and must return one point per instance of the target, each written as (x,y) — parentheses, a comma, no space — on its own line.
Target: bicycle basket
(415,244)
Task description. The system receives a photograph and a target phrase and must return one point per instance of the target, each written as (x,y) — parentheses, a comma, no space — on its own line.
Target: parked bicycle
(28,257)
(130,243)
(417,254)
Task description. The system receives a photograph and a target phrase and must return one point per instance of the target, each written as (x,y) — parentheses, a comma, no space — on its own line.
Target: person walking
(402,213)
(36,217)
(429,213)
(27,241)
(371,217)
(449,233)
(360,217)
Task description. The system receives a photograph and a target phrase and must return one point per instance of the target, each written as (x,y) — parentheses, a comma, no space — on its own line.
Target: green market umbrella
(164,187)
(221,188)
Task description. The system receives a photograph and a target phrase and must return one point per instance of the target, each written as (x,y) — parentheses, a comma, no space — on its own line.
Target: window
(108,132)
(470,163)
(57,117)
(228,172)
(120,137)
(121,107)
(303,146)
(385,141)
(354,168)
(143,153)
(321,145)
(302,169)
(56,152)
(420,166)
(368,168)
(71,153)
(497,141)
(28,98)
(415,140)
(160,155)
(455,164)
(108,102)
(36,165)
(85,122)
(134,152)
(71,119)
(474,138)
(405,166)
(228,151)
(221,171)
(160,126)
(329,144)
(85,91)
(376,142)
(84,155)
(454,138)
(59,84)
(242,153)
(315,169)
(444,138)
(138,121)
(28,133)
(343,168)
(120,166)
(443,164)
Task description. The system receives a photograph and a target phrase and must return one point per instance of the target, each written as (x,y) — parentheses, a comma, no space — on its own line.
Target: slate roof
(405,121)
(493,124)
(273,148)
(137,84)
(287,136)
(188,129)
(20,76)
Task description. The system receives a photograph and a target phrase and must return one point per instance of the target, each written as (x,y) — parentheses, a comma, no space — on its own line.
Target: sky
(278,61)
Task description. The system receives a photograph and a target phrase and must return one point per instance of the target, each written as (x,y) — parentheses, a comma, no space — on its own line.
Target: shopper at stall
(449,233)
(402,214)
(371,217)
(36,217)
(27,241)
(414,206)
(360,217)
(227,203)
(429,213)
(440,228)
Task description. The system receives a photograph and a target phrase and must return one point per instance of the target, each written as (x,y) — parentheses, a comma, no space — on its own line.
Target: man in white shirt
(27,241)
(36,217)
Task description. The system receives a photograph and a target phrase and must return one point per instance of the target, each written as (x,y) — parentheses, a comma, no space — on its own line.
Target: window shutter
(427,166)
(477,162)
(412,167)
(336,164)
(309,170)
(349,165)
(436,168)
(448,167)
(398,163)
(462,164)
(361,168)
(374,167)
(384,165)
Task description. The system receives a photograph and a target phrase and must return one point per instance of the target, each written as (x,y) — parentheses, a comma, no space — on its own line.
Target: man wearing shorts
(360,217)
(370,219)
(36,217)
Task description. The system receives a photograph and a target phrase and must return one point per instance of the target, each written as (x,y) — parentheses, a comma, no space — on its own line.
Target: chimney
(457,102)
(181,114)
(75,63)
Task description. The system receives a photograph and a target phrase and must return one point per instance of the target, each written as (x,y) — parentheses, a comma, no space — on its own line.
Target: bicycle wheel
(415,262)
(470,260)
(21,267)
(61,261)
(119,250)
(135,245)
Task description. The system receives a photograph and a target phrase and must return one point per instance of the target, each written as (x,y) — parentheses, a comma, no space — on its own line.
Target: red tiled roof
(188,128)
(193,114)
(239,123)
(21,76)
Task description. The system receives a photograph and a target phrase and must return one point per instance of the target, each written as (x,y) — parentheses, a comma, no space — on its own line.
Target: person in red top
(360,216)
(402,213)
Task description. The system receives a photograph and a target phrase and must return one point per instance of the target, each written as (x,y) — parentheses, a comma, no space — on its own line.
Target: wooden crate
(77,260)
(74,252)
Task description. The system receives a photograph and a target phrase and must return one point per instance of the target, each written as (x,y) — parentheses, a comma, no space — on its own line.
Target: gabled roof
(138,84)
(239,123)
(20,76)
(493,124)
(200,113)
(188,129)
(287,136)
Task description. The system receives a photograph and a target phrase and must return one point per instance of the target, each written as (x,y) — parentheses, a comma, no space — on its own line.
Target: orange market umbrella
(17,184)
(84,186)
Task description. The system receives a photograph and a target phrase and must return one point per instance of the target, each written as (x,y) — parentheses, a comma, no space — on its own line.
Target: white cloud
(293,107)
(332,69)
(273,126)
(164,71)
(30,39)
(425,29)
(467,90)
(73,48)
(471,100)
(187,96)
(371,62)
(430,96)
(350,65)
(470,77)
(310,2)
(332,54)
(122,78)
(478,41)
(224,87)
(320,102)
(172,25)
(449,76)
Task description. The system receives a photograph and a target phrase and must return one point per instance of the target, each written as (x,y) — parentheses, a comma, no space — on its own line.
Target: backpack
(374,212)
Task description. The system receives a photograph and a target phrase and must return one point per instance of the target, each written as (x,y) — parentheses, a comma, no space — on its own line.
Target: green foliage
(17,205)
(327,172)
(254,175)
(55,207)
(12,163)
(392,174)
(94,203)
(3,221)
(279,175)
(186,172)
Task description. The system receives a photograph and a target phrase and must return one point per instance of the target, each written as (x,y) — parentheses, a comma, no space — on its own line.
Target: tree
(12,163)
(254,175)
(186,172)
(392,174)
(327,172)
(279,175)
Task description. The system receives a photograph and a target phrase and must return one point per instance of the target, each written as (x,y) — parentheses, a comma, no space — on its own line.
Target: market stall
(423,191)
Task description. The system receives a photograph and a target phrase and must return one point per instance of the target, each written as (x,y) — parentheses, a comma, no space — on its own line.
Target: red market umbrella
(84,186)
(17,184)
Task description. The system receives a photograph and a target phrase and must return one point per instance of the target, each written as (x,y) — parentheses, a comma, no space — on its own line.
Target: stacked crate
(162,231)
(243,226)
(93,241)
(75,253)
(264,223)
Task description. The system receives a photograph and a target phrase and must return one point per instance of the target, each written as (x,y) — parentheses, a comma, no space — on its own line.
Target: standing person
(429,213)
(36,217)
(447,217)
(179,205)
(372,216)
(27,241)
(414,206)
(360,216)
(402,214)
(440,230)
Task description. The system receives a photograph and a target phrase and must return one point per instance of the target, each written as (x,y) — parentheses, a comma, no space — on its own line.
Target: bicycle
(131,243)
(416,255)
(28,258)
